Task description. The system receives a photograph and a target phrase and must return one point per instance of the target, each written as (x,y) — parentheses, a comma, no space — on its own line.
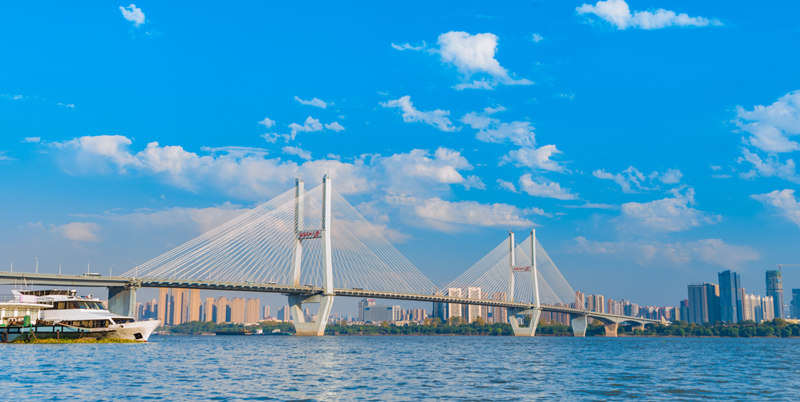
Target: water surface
(405,368)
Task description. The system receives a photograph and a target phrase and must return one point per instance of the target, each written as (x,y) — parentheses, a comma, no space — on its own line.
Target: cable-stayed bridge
(313,246)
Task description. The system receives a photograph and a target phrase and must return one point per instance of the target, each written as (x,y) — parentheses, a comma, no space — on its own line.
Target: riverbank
(776,328)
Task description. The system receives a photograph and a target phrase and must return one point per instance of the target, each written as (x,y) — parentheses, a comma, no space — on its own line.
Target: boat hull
(134,331)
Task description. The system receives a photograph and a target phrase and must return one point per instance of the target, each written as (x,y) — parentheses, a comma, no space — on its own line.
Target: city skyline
(590,125)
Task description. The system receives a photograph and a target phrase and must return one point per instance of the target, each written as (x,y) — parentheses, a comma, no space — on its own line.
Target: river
(405,368)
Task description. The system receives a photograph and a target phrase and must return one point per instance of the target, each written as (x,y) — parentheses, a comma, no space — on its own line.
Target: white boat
(67,309)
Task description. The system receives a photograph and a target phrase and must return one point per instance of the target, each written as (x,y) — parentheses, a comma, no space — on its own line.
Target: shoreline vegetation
(776,328)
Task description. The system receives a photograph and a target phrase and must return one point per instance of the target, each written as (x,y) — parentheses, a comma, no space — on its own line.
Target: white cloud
(78,231)
(309,126)
(335,126)
(771,166)
(3,156)
(631,180)
(475,55)
(520,133)
(646,253)
(415,171)
(618,13)
(771,127)
(782,201)
(436,118)
(133,14)
(67,105)
(408,46)
(450,216)
(672,214)
(544,189)
(267,122)
(506,185)
(200,220)
(316,102)
(538,158)
(536,38)
(301,153)
(35,140)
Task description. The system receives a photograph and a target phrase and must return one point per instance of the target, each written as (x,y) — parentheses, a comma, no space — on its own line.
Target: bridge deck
(24,278)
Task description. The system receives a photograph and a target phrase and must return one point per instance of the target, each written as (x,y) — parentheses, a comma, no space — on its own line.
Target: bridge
(278,247)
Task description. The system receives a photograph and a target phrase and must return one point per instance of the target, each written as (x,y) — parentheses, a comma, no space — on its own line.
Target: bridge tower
(324,299)
(536,311)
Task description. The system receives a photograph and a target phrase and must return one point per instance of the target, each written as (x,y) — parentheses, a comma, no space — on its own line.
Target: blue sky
(651,143)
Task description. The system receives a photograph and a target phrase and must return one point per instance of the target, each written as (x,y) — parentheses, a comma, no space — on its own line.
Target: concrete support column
(314,327)
(611,330)
(122,300)
(579,324)
(530,330)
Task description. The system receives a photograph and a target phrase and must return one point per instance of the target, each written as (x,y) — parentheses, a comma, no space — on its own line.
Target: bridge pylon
(325,299)
(536,311)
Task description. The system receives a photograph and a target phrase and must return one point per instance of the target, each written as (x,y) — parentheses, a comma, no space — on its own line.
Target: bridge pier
(611,329)
(314,327)
(530,330)
(122,300)
(579,324)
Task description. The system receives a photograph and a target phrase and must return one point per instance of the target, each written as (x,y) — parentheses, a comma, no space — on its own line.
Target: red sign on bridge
(522,269)
(309,234)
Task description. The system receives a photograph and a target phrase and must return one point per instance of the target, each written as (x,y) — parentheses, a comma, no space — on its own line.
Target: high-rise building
(453,309)
(194,305)
(267,313)
(379,313)
(580,300)
(238,306)
(795,307)
(284,313)
(684,310)
(730,297)
(253,313)
(698,304)
(499,315)
(473,311)
(163,304)
(221,308)
(208,309)
(596,303)
(775,289)
(364,303)
(767,308)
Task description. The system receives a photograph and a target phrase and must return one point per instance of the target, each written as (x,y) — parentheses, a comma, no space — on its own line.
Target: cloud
(316,102)
(520,133)
(538,158)
(450,216)
(783,201)
(302,154)
(771,127)
(506,185)
(475,55)
(34,140)
(631,180)
(416,171)
(770,166)
(200,220)
(672,214)
(267,122)
(133,14)
(536,38)
(436,118)
(335,126)
(67,105)
(647,253)
(620,16)
(408,46)
(4,158)
(310,125)
(78,231)
(544,189)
